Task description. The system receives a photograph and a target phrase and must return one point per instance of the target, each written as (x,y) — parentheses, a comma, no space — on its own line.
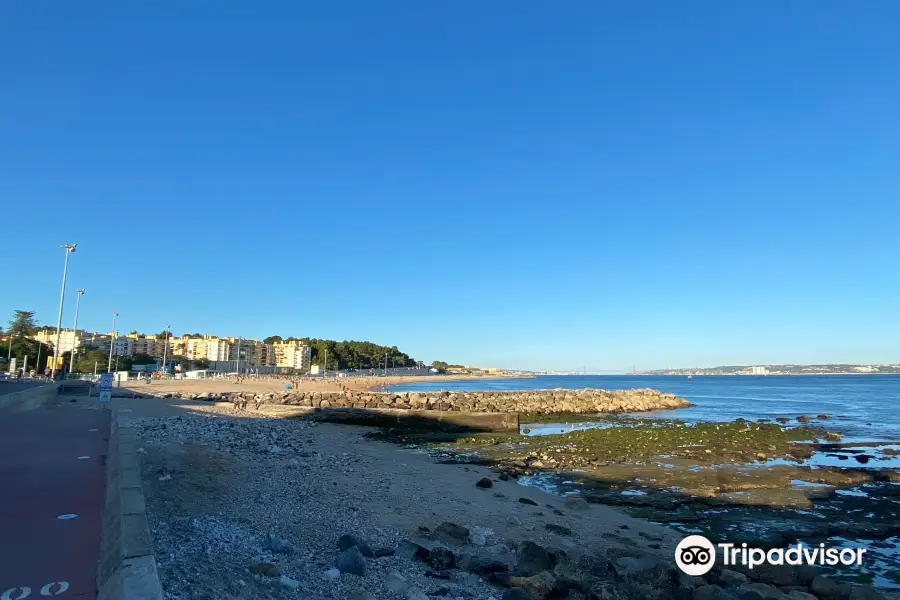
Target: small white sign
(106,385)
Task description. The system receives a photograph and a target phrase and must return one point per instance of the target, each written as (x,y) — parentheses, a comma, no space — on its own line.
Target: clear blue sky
(522,184)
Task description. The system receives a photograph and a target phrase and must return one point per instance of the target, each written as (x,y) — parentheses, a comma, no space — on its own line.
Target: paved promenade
(53,477)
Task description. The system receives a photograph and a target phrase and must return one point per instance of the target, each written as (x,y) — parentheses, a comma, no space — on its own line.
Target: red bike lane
(52,487)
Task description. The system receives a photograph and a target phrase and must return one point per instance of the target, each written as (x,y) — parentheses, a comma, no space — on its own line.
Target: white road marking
(83,457)
(63,586)
(51,589)
(94,429)
(66,516)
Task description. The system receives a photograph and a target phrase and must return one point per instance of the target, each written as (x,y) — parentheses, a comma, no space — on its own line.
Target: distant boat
(690,376)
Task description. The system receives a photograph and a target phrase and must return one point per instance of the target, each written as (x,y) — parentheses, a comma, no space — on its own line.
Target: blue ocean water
(863,407)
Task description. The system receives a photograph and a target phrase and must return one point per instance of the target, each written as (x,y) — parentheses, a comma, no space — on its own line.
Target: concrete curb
(127,566)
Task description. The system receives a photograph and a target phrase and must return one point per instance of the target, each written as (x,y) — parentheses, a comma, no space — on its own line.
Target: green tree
(351,354)
(22,347)
(440,365)
(84,361)
(22,323)
(143,359)
(272,339)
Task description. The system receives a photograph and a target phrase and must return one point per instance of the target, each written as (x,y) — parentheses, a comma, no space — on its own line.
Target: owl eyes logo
(695,555)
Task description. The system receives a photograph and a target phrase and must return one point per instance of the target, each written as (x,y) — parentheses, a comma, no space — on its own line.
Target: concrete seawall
(29,399)
(127,566)
(532,401)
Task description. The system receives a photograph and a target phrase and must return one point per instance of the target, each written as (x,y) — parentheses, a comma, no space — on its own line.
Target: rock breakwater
(584,401)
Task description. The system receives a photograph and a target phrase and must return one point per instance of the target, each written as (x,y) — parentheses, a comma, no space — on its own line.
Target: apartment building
(263,355)
(252,352)
(68,338)
(146,345)
(212,348)
(293,355)
(208,347)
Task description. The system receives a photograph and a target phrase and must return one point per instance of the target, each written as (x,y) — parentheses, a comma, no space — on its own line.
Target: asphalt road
(52,477)
(11,386)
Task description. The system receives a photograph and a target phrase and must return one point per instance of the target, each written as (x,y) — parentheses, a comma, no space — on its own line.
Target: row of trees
(340,355)
(351,354)
(19,345)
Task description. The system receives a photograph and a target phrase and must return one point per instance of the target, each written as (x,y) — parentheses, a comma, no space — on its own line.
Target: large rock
(731,578)
(780,575)
(541,585)
(480,564)
(798,595)
(519,594)
(412,550)
(713,592)
(865,592)
(347,541)
(575,503)
(441,558)
(608,590)
(278,545)
(352,561)
(532,559)
(829,589)
(760,591)
(451,532)
(265,569)
(649,570)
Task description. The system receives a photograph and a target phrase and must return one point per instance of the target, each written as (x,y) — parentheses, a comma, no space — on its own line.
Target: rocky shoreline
(534,401)
(742,482)
(267,508)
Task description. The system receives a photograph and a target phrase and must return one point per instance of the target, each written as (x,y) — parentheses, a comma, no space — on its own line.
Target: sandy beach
(272,384)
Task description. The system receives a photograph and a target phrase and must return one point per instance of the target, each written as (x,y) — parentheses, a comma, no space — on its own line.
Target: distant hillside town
(828,369)
(32,346)
(209,351)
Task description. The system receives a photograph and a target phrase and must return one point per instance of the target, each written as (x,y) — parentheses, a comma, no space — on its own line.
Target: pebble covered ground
(243,506)
(231,495)
(226,495)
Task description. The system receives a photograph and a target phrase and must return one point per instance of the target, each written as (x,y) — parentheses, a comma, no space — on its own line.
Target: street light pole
(166,348)
(70,248)
(112,342)
(80,293)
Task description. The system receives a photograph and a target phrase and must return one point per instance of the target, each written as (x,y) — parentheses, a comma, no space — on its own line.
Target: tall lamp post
(80,293)
(166,349)
(112,343)
(70,248)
